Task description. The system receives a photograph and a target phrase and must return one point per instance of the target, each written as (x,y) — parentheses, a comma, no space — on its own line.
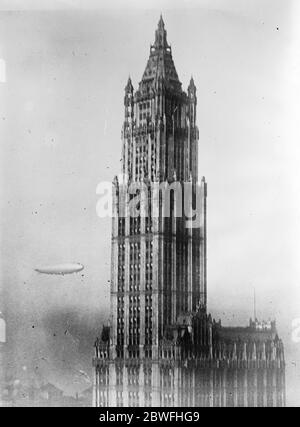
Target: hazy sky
(61,111)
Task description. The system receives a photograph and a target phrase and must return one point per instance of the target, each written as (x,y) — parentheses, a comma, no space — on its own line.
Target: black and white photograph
(149,206)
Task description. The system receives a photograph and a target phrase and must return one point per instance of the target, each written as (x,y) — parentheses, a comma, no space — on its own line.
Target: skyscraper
(158,278)
(162,347)
(158,257)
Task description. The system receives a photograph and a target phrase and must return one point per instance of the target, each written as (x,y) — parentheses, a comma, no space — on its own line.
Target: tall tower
(158,261)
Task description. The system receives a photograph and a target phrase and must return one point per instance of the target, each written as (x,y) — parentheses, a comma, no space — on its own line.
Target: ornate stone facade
(169,383)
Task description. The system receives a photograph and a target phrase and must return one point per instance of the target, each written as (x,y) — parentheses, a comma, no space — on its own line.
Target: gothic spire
(161,23)
(129,87)
(192,88)
(192,83)
(160,67)
(161,35)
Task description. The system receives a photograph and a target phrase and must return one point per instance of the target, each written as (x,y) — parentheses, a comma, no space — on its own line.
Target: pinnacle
(160,66)
(161,24)
(129,84)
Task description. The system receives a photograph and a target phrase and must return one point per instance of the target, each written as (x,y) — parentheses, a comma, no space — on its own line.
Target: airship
(60,269)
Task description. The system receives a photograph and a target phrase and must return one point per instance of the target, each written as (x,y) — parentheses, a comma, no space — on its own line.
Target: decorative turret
(192,101)
(129,101)
(192,89)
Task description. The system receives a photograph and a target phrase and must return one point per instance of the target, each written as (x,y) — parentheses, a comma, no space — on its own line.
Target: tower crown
(160,66)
